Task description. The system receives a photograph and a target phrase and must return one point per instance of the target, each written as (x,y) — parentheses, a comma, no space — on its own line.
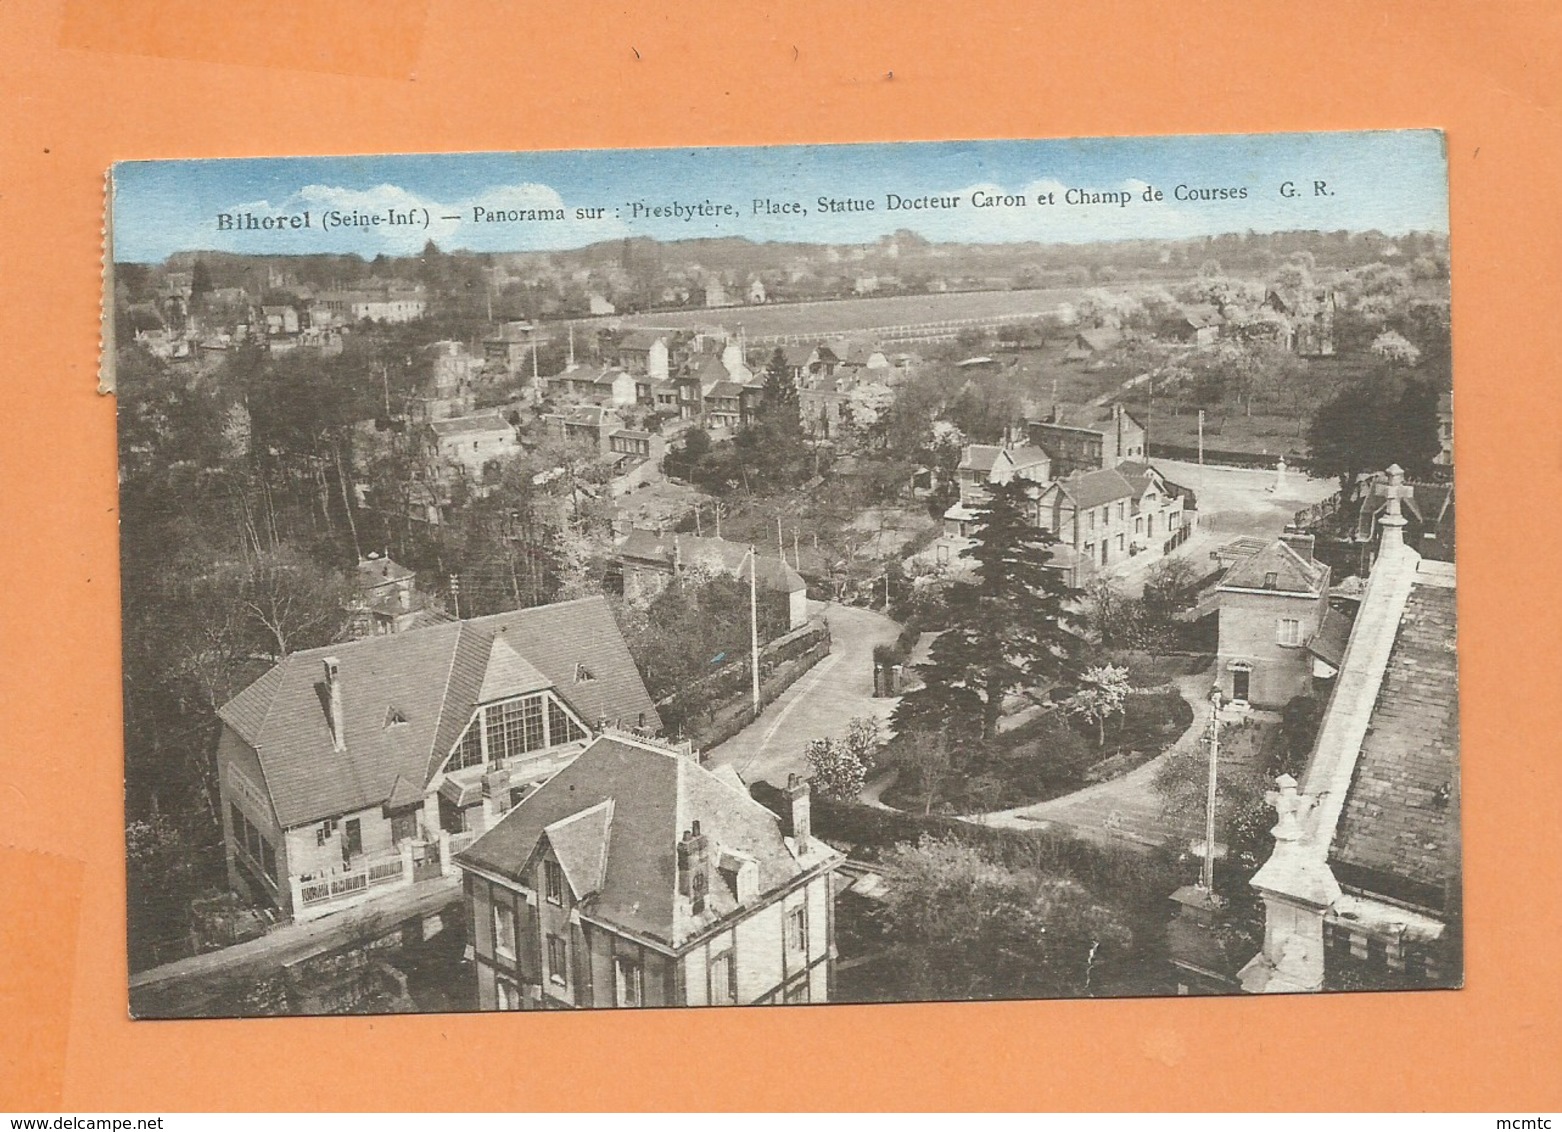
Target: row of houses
(1089,485)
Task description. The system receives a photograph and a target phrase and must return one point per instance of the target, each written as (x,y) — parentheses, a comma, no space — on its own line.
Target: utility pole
(780,546)
(1201,438)
(753,622)
(797,562)
(455,593)
(1207,880)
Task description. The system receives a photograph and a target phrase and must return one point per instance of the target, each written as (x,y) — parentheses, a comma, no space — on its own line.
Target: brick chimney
(333,692)
(796,824)
(1300,541)
(694,867)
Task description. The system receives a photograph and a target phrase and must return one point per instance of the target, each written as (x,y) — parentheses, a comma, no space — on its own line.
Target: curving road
(826,698)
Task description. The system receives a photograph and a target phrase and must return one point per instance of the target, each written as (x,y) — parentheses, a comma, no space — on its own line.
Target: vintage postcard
(865,573)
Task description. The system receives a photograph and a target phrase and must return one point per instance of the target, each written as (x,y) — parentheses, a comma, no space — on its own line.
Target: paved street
(820,704)
(1232,502)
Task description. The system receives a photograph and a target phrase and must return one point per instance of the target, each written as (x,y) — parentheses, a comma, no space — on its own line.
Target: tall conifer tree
(1010,625)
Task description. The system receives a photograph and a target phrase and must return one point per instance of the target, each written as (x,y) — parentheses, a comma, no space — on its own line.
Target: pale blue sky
(1390,181)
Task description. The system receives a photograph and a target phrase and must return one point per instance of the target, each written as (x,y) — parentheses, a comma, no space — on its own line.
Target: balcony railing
(314,894)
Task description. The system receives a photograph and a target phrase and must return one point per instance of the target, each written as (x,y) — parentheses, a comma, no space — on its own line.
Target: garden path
(1122,809)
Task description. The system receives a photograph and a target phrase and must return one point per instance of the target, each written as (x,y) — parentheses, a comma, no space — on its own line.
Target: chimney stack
(333,689)
(797,824)
(1300,541)
(694,867)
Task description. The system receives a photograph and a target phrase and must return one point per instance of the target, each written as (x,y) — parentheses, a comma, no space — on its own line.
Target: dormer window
(1271,580)
(395,718)
(583,675)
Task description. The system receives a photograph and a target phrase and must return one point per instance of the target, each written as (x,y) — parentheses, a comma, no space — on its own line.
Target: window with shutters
(627,982)
(723,980)
(558,960)
(504,930)
(797,929)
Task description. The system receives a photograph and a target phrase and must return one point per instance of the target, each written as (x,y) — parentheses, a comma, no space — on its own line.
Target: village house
(823,410)
(388,599)
(644,353)
(650,559)
(636,877)
(1088,438)
(1104,518)
(469,444)
(389,304)
(1092,345)
(363,765)
(1428,511)
(1363,887)
(280,320)
(982,465)
(1302,319)
(1193,325)
(451,388)
(506,350)
(605,385)
(1272,605)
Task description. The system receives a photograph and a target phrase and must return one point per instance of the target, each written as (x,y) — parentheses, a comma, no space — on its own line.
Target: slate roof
(731,557)
(379,571)
(434,678)
(1107,485)
(624,806)
(479,422)
(980,457)
(1333,634)
(1293,573)
(1427,504)
(1398,832)
(640,341)
(1096,418)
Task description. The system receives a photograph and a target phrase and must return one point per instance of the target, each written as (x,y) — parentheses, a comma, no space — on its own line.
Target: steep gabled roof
(1293,574)
(580,842)
(1129,481)
(979,457)
(631,803)
(434,678)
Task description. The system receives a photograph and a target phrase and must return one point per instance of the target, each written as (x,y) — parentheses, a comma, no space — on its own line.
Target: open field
(846,316)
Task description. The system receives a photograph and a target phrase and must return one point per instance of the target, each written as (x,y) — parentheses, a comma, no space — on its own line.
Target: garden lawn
(1045,758)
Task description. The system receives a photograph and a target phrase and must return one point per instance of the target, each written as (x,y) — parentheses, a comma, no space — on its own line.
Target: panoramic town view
(705,621)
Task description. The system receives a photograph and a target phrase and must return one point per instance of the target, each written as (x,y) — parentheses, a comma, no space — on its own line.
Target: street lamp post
(1208,875)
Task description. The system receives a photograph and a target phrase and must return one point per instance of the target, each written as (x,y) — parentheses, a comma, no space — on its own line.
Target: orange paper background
(87,83)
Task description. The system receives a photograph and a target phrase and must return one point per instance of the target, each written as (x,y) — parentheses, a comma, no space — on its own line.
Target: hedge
(1129,873)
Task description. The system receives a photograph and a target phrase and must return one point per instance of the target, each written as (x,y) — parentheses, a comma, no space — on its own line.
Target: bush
(1129,874)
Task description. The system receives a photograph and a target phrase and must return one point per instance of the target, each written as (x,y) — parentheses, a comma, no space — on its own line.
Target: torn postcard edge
(578,576)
